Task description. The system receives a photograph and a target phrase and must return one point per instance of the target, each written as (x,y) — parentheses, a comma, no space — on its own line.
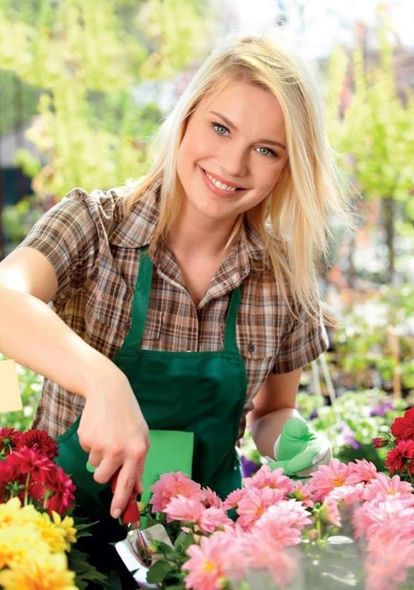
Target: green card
(170,450)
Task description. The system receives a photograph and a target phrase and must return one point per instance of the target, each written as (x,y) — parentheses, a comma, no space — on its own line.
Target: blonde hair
(293,221)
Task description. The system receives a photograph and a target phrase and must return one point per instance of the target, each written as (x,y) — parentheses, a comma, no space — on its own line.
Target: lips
(220,185)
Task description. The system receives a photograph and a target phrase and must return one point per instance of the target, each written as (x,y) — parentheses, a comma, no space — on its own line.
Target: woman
(190,299)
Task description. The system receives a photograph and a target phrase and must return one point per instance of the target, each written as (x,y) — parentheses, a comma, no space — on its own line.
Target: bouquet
(400,442)
(278,533)
(37,533)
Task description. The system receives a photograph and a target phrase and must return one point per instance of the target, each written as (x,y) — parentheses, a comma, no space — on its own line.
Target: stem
(26,490)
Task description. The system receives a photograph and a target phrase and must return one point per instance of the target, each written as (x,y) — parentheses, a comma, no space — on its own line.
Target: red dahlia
(38,440)
(401,458)
(403,428)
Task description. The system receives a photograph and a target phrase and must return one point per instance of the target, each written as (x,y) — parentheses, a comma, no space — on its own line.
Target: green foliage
(30,386)
(362,341)
(87,57)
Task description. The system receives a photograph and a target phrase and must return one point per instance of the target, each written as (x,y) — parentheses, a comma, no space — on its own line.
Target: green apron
(199,392)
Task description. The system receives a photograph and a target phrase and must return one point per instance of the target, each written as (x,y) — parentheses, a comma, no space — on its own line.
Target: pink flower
(170,485)
(390,516)
(267,554)
(212,519)
(211,499)
(282,524)
(255,503)
(302,493)
(328,477)
(383,486)
(348,494)
(386,569)
(329,511)
(210,561)
(184,509)
(266,478)
(233,499)
(361,471)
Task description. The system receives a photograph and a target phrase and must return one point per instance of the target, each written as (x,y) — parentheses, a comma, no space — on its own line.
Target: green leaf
(159,571)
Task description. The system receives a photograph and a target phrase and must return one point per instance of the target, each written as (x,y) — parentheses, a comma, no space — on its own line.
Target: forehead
(246,105)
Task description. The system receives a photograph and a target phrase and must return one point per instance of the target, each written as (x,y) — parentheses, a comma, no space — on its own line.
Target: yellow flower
(9,512)
(67,525)
(40,573)
(19,543)
(51,534)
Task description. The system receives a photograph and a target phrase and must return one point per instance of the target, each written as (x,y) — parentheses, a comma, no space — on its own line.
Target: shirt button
(128,325)
(250,347)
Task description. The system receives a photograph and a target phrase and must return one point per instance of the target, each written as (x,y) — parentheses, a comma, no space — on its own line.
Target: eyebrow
(233,126)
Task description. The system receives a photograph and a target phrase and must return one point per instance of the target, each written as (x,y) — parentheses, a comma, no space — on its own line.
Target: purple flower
(382,408)
(348,436)
(248,467)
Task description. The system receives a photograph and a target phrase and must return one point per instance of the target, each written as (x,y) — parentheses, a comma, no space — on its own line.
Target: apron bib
(198,392)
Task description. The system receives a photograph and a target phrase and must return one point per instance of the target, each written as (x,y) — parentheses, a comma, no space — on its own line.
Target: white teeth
(220,185)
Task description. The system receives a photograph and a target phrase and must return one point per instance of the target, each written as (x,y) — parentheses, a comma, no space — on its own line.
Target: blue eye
(265,151)
(220,129)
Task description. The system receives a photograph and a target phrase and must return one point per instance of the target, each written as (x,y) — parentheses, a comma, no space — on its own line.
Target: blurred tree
(372,124)
(87,57)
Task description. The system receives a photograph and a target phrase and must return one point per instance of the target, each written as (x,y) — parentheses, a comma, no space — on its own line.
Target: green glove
(299,450)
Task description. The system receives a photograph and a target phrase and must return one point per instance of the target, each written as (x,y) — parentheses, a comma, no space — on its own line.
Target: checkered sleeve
(67,234)
(303,343)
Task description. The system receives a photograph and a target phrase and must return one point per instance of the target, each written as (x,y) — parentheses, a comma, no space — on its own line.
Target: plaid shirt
(93,245)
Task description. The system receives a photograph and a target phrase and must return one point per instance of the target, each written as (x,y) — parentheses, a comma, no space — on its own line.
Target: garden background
(84,85)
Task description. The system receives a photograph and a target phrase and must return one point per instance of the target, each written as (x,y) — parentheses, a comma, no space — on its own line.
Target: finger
(106,469)
(124,487)
(95,459)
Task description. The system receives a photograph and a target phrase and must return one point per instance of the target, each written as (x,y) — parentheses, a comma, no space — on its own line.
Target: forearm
(267,428)
(32,334)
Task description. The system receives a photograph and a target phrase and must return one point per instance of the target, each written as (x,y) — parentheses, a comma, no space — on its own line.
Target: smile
(218,185)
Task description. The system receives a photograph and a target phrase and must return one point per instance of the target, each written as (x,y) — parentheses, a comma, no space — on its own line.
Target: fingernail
(116,513)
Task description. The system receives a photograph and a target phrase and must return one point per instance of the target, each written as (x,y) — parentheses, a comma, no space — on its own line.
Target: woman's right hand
(114,432)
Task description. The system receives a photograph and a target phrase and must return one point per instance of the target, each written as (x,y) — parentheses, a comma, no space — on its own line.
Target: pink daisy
(211,499)
(233,499)
(170,485)
(302,493)
(210,562)
(282,524)
(212,519)
(266,478)
(184,509)
(383,486)
(328,477)
(361,471)
(255,503)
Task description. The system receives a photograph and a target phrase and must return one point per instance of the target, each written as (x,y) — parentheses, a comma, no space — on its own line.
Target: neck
(205,236)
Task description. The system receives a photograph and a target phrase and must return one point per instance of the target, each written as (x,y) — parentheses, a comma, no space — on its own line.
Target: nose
(233,161)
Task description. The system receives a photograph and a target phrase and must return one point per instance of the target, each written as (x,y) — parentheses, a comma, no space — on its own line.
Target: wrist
(101,376)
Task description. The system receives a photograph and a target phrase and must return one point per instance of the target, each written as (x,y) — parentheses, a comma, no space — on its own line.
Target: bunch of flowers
(400,442)
(36,532)
(219,543)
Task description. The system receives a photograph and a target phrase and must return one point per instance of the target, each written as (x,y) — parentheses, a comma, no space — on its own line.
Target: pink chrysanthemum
(282,524)
(184,509)
(266,554)
(233,499)
(348,494)
(382,486)
(361,471)
(211,499)
(171,485)
(210,562)
(302,493)
(328,477)
(213,519)
(255,503)
(396,514)
(266,478)
(386,570)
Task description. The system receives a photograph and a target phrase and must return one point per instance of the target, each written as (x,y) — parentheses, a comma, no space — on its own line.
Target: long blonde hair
(293,221)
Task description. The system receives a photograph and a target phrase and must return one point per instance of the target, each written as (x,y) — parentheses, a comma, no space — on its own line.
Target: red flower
(401,458)
(38,440)
(379,442)
(61,491)
(403,428)
(9,438)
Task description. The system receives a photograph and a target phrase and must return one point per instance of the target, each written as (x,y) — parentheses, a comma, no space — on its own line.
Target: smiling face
(232,153)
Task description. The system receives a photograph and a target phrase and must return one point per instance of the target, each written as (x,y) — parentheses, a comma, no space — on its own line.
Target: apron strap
(230,339)
(140,306)
(140,302)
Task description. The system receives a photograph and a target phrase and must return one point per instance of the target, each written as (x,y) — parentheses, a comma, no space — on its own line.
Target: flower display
(274,516)
(37,533)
